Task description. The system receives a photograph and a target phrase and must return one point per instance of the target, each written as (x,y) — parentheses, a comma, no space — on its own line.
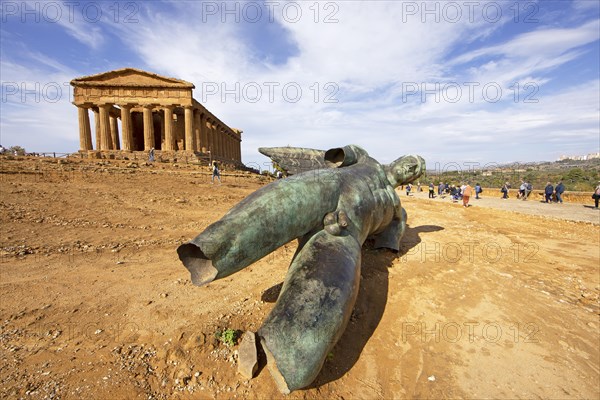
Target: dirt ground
(480,302)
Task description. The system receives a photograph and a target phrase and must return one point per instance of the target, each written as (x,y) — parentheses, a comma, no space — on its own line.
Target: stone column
(217,139)
(97,127)
(235,149)
(216,147)
(85,134)
(126,127)
(203,134)
(228,147)
(148,128)
(169,135)
(221,136)
(210,136)
(114,133)
(105,138)
(197,128)
(221,141)
(189,128)
(225,144)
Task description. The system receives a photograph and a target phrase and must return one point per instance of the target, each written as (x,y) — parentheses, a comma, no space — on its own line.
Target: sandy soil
(480,303)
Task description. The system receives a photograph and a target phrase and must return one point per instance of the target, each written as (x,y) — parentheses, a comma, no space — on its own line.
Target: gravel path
(566,211)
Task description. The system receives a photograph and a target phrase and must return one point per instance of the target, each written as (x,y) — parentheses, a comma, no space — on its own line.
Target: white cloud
(369,54)
(549,42)
(36,105)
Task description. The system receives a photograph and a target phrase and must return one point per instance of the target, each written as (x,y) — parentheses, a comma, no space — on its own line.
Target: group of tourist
(549,190)
(463,192)
(552,194)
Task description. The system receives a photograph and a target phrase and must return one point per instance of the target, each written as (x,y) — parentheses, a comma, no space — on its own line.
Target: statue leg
(261,223)
(313,309)
(391,236)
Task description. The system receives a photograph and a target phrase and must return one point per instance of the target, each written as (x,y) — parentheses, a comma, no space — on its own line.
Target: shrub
(229,337)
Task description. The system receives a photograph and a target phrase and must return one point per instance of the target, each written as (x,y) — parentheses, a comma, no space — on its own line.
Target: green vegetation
(20,150)
(229,337)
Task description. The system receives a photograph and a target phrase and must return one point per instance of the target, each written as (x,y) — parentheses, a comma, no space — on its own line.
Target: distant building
(156,112)
(590,156)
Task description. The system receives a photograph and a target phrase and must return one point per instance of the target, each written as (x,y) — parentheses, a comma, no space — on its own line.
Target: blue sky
(467,82)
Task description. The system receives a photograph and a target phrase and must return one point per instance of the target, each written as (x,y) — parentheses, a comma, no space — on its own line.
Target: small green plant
(228,337)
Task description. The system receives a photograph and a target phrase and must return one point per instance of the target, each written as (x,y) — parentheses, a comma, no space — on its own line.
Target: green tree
(574,175)
(20,151)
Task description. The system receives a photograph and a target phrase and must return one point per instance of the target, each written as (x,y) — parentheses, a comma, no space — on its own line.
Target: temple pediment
(131,77)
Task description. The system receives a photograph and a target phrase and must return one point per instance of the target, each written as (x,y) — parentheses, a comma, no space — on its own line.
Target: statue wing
(294,160)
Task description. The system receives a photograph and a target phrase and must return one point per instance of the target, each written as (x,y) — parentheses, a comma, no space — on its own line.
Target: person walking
(504,190)
(559,190)
(548,192)
(466,194)
(528,188)
(522,189)
(596,195)
(431,191)
(408,189)
(151,155)
(440,188)
(478,190)
(215,173)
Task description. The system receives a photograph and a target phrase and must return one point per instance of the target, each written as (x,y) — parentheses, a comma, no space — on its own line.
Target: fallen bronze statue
(345,198)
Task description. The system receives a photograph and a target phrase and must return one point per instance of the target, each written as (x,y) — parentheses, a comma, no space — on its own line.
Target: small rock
(163,295)
(248,358)
(431,378)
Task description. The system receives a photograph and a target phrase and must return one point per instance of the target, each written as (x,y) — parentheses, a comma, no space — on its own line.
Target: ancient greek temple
(135,110)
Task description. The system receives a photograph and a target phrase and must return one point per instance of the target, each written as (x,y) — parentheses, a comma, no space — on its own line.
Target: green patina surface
(332,210)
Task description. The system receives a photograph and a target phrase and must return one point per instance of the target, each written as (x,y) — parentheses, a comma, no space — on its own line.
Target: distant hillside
(577,175)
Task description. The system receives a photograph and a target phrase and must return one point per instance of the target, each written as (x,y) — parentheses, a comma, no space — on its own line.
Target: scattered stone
(248,358)
(431,378)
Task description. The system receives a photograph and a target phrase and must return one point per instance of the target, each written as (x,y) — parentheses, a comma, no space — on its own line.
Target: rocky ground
(499,300)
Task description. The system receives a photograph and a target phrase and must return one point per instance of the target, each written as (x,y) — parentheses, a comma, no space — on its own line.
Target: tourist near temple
(154,112)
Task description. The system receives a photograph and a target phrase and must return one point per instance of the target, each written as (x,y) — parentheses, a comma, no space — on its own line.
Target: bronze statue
(331,209)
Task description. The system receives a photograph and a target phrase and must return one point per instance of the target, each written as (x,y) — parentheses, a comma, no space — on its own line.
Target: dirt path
(567,211)
(481,302)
